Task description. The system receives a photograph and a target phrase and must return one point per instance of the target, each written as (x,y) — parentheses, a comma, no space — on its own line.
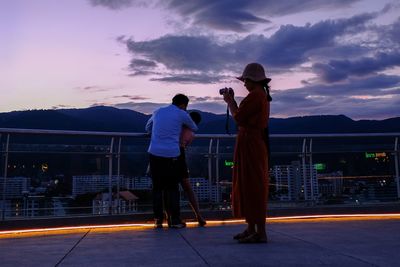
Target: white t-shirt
(165,126)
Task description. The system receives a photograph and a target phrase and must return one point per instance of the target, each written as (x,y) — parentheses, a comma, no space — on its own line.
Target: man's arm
(188,122)
(149,125)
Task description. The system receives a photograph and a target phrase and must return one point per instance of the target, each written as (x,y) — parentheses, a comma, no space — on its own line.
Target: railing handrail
(129,134)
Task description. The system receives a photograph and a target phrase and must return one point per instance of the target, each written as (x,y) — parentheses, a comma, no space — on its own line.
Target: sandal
(252,239)
(201,222)
(242,235)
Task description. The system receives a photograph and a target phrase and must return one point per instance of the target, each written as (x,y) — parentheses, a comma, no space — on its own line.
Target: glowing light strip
(218,222)
(83,227)
(386,215)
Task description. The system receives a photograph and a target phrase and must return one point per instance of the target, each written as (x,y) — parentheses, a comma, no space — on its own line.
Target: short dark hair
(180,99)
(196,117)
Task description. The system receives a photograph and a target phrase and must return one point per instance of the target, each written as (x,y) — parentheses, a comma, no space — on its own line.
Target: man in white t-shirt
(165,126)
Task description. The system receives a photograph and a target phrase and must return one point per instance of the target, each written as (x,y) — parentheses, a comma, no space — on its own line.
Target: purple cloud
(337,70)
(227,15)
(196,58)
(372,97)
(116,4)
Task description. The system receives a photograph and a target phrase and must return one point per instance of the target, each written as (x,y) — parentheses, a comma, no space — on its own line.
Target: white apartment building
(93,183)
(296,182)
(96,183)
(203,190)
(139,183)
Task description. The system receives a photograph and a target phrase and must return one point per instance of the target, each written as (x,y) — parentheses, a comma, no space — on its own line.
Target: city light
(228,163)
(375,155)
(320,166)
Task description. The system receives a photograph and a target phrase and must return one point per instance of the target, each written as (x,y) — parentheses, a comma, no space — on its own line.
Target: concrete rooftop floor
(340,242)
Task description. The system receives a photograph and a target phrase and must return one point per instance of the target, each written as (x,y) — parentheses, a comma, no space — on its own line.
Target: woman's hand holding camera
(228,98)
(228,95)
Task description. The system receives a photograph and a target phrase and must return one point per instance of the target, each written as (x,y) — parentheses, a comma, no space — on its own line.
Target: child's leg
(187,187)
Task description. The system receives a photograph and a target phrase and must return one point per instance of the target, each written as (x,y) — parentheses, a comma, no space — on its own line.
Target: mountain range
(109,119)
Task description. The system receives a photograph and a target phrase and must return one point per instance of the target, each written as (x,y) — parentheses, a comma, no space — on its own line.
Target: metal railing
(214,155)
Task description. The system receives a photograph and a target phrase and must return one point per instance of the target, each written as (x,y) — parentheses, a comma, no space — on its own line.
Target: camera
(226,90)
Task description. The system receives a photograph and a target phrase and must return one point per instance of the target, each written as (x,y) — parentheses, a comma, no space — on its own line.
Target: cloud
(117,4)
(143,107)
(204,98)
(337,70)
(373,97)
(61,106)
(391,33)
(227,15)
(181,52)
(189,59)
(132,97)
(192,78)
(293,45)
(141,63)
(354,108)
(237,16)
(92,88)
(198,58)
(243,15)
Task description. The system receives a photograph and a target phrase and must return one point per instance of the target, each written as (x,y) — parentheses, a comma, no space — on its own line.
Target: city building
(138,183)
(124,202)
(94,183)
(295,182)
(203,190)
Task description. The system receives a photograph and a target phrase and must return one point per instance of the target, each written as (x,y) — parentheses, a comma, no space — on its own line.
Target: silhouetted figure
(250,171)
(165,126)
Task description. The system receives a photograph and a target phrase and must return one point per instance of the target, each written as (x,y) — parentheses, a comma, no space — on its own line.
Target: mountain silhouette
(109,119)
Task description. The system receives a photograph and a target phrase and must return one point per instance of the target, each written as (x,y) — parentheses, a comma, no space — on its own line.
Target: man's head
(181,101)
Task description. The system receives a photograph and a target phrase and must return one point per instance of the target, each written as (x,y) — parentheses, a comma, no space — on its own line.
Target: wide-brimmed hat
(254,72)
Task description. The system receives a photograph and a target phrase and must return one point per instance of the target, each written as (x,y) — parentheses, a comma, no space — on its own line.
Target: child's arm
(187,136)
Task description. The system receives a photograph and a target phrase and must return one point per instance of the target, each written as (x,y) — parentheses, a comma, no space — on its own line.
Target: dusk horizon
(190,108)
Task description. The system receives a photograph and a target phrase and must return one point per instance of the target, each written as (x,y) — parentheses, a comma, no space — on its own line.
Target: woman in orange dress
(250,172)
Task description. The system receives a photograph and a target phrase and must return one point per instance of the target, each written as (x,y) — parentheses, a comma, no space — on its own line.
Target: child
(187,137)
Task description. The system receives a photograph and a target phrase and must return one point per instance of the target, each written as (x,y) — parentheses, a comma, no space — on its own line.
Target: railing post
(118,172)
(110,160)
(396,164)
(311,172)
(3,208)
(304,169)
(217,170)
(210,168)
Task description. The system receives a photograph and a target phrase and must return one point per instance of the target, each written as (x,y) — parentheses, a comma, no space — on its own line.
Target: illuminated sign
(320,166)
(228,163)
(375,155)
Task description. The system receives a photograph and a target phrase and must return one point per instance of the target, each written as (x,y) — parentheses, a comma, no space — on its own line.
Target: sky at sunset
(324,57)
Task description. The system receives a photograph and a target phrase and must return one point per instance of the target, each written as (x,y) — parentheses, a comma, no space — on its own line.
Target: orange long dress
(250,172)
